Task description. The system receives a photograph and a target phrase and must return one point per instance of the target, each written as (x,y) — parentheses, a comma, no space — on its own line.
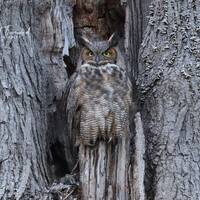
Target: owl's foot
(89,143)
(112,140)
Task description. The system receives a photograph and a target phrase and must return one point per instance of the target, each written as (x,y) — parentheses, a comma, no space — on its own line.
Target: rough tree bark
(169,79)
(31,42)
(35,149)
(23,106)
(110,171)
(136,22)
(104,168)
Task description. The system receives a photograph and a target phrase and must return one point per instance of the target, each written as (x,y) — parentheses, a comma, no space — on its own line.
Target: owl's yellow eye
(110,53)
(107,54)
(90,53)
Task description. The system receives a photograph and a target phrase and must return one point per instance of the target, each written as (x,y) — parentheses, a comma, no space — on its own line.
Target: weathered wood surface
(169,83)
(137,183)
(30,84)
(107,171)
(34,148)
(137,12)
(104,171)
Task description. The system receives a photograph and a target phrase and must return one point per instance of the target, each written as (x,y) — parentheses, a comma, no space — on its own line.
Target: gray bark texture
(37,157)
(112,171)
(32,78)
(135,25)
(169,84)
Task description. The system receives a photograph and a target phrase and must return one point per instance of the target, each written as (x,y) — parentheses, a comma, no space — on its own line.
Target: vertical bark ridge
(104,171)
(169,81)
(136,22)
(26,74)
(22,116)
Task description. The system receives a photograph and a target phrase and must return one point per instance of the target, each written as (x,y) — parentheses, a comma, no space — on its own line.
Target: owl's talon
(110,139)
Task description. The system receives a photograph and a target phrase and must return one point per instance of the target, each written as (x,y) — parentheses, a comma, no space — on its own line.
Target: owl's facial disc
(108,56)
(99,54)
(88,56)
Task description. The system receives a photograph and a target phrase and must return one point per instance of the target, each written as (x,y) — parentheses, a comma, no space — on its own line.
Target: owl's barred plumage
(99,102)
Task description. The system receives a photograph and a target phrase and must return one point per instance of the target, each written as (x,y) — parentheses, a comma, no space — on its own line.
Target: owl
(99,95)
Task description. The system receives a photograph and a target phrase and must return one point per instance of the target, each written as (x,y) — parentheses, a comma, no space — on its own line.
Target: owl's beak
(97,59)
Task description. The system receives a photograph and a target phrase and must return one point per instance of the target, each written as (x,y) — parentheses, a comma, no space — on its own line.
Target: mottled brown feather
(99,102)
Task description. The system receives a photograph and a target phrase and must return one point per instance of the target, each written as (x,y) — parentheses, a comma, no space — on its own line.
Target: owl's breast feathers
(102,97)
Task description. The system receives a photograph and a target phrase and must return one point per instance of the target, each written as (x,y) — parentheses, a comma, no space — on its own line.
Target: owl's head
(98,52)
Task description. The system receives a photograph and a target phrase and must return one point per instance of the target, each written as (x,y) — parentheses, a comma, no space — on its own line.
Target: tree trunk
(34,37)
(169,83)
(109,171)
(31,81)
(35,148)
(104,170)
(136,22)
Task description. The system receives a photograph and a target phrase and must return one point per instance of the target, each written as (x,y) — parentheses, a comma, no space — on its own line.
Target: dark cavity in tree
(95,19)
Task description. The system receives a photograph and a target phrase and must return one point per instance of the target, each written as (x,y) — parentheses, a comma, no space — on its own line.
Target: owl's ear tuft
(83,41)
(113,40)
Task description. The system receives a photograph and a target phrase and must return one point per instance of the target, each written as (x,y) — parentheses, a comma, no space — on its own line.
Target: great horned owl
(100,94)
